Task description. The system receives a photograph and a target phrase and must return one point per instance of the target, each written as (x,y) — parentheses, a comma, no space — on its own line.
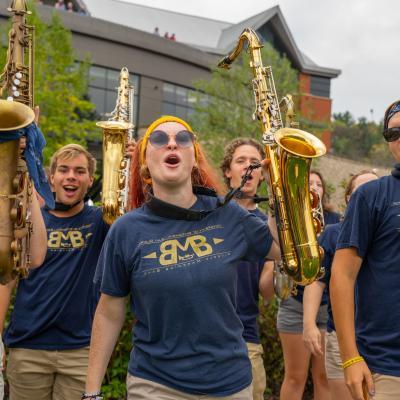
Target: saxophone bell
(14,116)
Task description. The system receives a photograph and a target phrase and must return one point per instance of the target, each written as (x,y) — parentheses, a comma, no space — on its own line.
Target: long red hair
(140,179)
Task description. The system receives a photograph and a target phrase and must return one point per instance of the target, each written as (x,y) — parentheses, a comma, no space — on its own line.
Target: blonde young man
(49,331)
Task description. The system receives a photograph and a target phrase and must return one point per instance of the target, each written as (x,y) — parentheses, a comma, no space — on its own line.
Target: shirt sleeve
(258,237)
(357,226)
(111,271)
(324,242)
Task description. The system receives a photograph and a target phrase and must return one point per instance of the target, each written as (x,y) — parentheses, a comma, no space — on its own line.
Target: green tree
(359,140)
(61,84)
(226,102)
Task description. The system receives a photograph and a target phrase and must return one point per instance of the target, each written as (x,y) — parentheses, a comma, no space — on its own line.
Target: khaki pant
(257,368)
(1,386)
(333,362)
(47,375)
(143,389)
(386,387)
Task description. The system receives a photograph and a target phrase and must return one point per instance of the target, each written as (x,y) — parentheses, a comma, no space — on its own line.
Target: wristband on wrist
(92,396)
(352,361)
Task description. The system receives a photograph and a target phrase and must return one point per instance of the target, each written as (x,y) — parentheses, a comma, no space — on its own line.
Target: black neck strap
(256,199)
(396,171)
(62,207)
(170,211)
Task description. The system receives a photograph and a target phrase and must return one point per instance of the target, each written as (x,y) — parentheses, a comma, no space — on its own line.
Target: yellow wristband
(352,361)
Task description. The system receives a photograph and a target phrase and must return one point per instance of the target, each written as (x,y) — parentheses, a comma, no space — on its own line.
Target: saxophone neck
(123,107)
(249,36)
(17,78)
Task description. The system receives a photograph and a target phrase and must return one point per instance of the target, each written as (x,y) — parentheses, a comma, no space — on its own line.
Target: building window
(178,100)
(103,84)
(320,86)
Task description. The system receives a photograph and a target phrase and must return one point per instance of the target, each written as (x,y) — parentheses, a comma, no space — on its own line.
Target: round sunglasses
(392,134)
(160,139)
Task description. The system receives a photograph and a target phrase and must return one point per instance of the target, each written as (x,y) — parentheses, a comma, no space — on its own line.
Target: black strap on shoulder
(170,211)
(256,199)
(61,206)
(396,171)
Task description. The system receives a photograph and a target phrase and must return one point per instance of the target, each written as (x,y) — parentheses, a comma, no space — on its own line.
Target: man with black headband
(254,277)
(49,331)
(368,256)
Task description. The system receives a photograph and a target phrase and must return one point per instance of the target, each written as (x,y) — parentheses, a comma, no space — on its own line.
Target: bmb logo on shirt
(173,251)
(66,240)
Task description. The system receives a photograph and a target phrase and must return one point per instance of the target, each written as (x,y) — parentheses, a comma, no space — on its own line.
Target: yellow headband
(153,126)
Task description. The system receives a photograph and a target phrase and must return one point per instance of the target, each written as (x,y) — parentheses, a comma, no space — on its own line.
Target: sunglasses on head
(392,134)
(160,139)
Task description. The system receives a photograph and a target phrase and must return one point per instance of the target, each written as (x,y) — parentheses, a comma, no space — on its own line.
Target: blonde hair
(71,151)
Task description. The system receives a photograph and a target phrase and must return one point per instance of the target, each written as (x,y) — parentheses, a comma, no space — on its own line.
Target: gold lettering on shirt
(184,249)
(69,239)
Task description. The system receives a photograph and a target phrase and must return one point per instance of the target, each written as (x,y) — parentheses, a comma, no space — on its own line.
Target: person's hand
(357,377)
(264,166)
(312,339)
(36,110)
(130,148)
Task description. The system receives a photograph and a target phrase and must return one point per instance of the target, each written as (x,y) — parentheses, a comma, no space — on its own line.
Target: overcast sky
(359,37)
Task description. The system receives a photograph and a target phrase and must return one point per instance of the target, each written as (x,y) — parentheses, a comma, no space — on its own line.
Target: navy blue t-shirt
(330,218)
(249,273)
(182,279)
(54,306)
(327,240)
(372,226)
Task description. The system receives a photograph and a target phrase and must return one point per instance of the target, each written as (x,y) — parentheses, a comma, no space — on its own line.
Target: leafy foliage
(60,85)
(359,140)
(273,355)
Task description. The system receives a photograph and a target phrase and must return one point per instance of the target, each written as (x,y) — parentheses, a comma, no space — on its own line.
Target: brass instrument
(290,152)
(15,113)
(116,132)
(17,78)
(283,284)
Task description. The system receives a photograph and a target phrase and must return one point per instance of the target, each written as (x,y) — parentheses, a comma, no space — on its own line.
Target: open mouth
(70,189)
(249,178)
(172,159)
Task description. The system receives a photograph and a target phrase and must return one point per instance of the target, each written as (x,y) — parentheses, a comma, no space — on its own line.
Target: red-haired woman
(176,256)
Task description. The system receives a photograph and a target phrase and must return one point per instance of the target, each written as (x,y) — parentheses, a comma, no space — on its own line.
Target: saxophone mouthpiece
(225,63)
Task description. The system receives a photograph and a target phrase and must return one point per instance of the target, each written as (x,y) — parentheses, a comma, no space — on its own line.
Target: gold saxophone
(15,113)
(290,152)
(116,132)
(283,284)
